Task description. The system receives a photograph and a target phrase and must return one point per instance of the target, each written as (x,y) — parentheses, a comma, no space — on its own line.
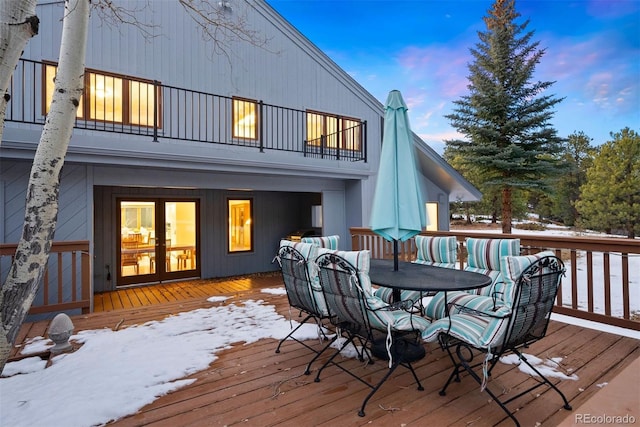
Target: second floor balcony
(127,105)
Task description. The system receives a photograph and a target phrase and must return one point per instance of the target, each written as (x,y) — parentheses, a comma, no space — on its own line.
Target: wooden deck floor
(251,385)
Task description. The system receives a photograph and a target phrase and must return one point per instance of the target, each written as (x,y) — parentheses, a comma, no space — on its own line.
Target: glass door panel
(158,240)
(137,238)
(180,235)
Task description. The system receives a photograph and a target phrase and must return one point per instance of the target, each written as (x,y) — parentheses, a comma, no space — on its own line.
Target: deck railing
(190,115)
(612,297)
(66,284)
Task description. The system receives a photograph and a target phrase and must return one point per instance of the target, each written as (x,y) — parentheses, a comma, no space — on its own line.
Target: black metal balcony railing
(189,115)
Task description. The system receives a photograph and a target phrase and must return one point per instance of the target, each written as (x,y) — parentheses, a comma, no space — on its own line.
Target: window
(351,134)
(245,119)
(49,82)
(105,98)
(110,98)
(240,225)
(339,132)
(432,216)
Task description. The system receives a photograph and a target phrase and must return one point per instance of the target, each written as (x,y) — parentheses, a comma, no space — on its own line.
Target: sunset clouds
(592,53)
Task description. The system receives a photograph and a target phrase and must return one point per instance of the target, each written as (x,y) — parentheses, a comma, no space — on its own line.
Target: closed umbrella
(397,213)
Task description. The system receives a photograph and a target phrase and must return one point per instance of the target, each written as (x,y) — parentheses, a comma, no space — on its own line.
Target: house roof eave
(441,173)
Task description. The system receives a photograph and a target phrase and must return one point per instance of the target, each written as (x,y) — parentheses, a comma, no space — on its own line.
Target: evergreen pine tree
(505,116)
(610,198)
(578,156)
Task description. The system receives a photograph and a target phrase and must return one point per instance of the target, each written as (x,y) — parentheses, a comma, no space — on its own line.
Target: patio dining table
(423,278)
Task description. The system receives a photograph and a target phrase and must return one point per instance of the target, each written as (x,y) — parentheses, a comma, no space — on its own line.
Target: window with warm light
(343,131)
(49,82)
(432,216)
(245,119)
(352,134)
(141,103)
(240,225)
(105,98)
(111,98)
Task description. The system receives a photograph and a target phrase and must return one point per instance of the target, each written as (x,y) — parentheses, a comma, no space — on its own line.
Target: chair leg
(455,373)
(375,389)
(545,380)
(307,371)
(333,356)
(318,353)
(384,378)
(464,362)
(292,332)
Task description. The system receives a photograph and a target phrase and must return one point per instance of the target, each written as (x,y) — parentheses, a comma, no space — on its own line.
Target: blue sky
(421,47)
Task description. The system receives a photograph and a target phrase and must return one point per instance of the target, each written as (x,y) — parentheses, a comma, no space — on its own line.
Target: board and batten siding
(287,71)
(74,209)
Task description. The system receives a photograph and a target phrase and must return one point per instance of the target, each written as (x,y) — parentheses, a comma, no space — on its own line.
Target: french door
(158,240)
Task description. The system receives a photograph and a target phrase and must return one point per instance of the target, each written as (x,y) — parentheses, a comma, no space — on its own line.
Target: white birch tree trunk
(18,23)
(32,254)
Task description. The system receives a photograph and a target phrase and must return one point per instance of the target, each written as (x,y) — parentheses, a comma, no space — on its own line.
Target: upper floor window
(111,98)
(341,132)
(245,119)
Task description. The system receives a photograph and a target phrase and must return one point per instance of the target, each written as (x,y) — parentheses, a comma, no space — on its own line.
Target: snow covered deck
(253,386)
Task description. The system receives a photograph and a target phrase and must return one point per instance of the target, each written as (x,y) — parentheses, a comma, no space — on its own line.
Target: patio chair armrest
(499,313)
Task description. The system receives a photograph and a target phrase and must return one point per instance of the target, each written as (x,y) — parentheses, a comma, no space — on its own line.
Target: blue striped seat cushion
(436,308)
(438,251)
(329,242)
(512,267)
(483,256)
(479,331)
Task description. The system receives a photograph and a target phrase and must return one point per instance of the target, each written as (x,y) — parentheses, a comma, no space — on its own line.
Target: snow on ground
(113,374)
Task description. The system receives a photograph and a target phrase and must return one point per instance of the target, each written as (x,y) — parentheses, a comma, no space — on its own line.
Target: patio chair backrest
(440,251)
(344,278)
(530,288)
(343,293)
(484,255)
(300,277)
(329,242)
(536,279)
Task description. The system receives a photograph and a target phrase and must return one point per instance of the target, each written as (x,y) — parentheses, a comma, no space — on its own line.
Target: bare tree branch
(218,27)
(113,15)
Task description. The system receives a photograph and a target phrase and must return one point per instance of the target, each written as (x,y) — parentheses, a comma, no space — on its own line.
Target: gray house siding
(74,211)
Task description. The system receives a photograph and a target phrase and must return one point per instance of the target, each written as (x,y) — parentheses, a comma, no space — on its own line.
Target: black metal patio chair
(304,295)
(382,330)
(530,287)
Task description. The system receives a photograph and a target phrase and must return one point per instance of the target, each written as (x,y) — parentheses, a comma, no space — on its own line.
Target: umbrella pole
(395,254)
(396,295)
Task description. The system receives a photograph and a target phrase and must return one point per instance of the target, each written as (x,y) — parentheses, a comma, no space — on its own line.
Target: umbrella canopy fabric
(398,212)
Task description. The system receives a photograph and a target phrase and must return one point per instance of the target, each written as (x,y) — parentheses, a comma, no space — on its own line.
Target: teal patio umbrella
(398,212)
